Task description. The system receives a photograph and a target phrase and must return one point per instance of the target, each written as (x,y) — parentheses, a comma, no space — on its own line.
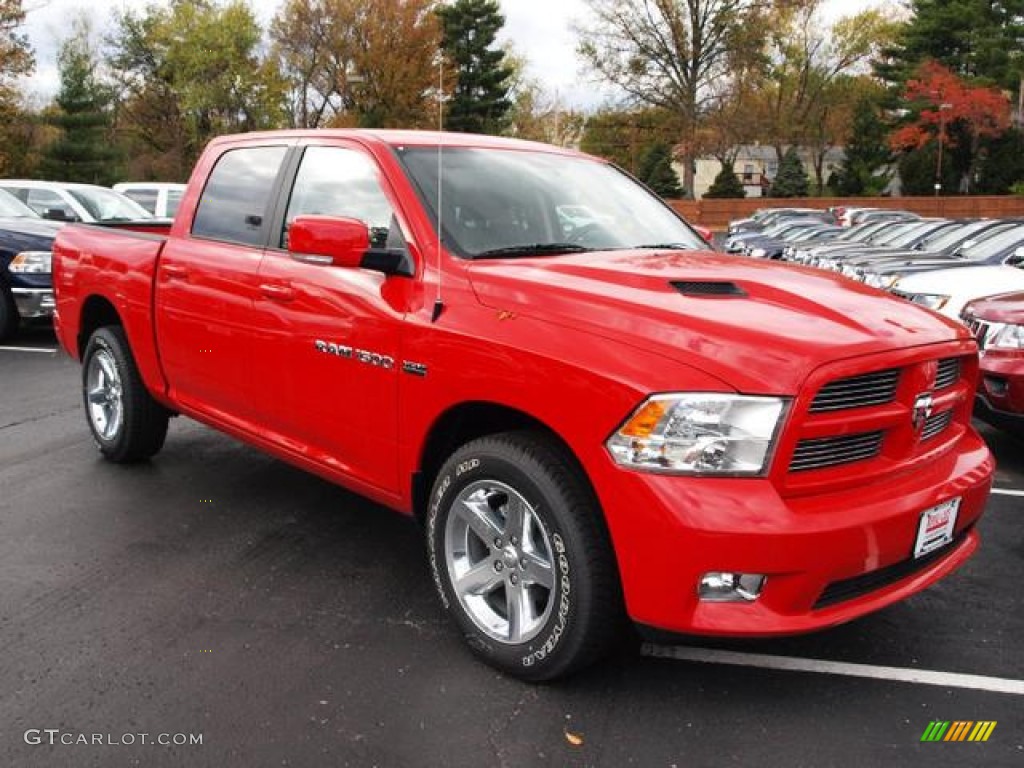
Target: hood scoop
(708,288)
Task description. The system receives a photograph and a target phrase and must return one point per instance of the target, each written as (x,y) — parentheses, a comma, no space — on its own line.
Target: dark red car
(998,324)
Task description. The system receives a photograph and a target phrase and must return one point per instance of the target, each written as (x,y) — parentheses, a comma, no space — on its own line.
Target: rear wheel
(521,558)
(127,424)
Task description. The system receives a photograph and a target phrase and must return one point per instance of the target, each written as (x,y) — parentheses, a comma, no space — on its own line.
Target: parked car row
(971,270)
(32,211)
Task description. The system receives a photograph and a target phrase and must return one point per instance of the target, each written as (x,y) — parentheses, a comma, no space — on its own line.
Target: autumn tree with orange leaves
(950,112)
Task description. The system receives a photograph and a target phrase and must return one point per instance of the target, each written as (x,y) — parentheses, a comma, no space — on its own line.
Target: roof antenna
(438,302)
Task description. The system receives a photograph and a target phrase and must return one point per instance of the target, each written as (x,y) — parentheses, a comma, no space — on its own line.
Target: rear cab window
(235,204)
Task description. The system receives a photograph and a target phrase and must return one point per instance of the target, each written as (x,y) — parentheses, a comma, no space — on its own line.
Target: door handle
(175,272)
(277,292)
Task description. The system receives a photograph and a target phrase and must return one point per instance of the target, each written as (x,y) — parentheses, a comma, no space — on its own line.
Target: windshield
(108,205)
(953,236)
(499,202)
(12,207)
(860,232)
(993,246)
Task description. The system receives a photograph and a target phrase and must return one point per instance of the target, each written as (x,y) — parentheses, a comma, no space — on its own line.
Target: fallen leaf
(574,738)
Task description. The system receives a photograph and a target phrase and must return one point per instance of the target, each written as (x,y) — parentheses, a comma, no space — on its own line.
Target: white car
(949,290)
(65,201)
(161,198)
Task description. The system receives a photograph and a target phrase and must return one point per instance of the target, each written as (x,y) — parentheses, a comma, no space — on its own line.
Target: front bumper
(34,302)
(1000,400)
(858,543)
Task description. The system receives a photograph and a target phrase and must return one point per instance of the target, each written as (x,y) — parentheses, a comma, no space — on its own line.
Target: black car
(26,244)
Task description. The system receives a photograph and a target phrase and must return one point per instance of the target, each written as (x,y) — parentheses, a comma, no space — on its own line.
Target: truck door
(207,282)
(331,334)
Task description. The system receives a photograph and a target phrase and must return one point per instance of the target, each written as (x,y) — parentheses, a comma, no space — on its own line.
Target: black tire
(9,318)
(140,431)
(576,619)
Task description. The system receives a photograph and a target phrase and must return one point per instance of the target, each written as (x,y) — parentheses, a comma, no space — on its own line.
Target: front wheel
(9,318)
(127,424)
(521,558)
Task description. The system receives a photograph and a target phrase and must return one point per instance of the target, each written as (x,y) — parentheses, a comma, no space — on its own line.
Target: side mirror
(1017,257)
(328,240)
(705,233)
(343,242)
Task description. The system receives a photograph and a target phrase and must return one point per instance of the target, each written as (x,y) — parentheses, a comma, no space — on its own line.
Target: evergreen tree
(862,170)
(1002,164)
(655,170)
(480,102)
(791,180)
(726,184)
(83,152)
(976,39)
(917,171)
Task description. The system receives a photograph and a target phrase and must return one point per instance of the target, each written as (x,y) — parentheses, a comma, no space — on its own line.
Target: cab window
(334,181)
(235,201)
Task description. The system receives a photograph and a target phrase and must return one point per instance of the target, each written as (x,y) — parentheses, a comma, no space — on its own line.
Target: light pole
(942,131)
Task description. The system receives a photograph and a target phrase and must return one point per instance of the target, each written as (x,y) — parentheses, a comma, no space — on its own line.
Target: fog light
(725,587)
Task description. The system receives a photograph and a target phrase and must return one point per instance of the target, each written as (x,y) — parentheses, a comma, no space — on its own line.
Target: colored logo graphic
(958,730)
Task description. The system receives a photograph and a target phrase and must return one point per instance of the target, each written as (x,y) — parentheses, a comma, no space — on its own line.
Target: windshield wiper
(663,247)
(533,249)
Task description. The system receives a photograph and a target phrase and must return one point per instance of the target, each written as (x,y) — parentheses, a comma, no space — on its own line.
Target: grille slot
(936,424)
(948,374)
(868,389)
(822,452)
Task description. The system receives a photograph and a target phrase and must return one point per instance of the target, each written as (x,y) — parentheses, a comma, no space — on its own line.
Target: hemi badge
(416,369)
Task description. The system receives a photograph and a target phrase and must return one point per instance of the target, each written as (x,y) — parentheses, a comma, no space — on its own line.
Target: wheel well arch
(468,421)
(97,311)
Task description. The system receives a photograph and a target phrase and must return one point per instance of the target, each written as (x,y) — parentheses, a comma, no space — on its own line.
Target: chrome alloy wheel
(500,561)
(104,393)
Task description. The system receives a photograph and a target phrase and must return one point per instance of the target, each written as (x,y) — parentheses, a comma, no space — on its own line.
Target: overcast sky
(539,29)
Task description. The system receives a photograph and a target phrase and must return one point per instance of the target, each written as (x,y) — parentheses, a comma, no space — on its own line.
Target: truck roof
(401,137)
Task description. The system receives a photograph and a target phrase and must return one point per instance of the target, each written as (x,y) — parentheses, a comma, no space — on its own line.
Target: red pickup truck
(594,416)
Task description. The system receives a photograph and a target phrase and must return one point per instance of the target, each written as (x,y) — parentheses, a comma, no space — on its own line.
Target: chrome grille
(981,329)
(822,452)
(949,373)
(936,424)
(861,391)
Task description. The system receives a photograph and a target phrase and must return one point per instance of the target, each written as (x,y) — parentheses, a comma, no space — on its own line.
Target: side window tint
(144,197)
(44,200)
(235,200)
(333,181)
(173,201)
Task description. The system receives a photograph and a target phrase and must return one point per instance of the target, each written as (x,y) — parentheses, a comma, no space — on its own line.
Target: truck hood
(1008,308)
(24,226)
(758,326)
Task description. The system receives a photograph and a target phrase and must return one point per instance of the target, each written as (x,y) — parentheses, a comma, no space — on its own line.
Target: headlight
(699,434)
(930,300)
(1010,337)
(757,253)
(885,282)
(31,263)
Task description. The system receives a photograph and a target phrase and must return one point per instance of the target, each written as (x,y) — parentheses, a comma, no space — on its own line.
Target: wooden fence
(716,214)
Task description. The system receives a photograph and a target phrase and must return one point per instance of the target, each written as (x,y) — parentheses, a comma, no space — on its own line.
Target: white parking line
(28,349)
(1006,492)
(793,664)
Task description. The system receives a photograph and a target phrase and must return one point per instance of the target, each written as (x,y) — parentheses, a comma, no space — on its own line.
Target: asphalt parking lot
(220,593)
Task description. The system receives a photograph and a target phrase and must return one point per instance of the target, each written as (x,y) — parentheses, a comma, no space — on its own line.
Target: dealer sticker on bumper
(936,527)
